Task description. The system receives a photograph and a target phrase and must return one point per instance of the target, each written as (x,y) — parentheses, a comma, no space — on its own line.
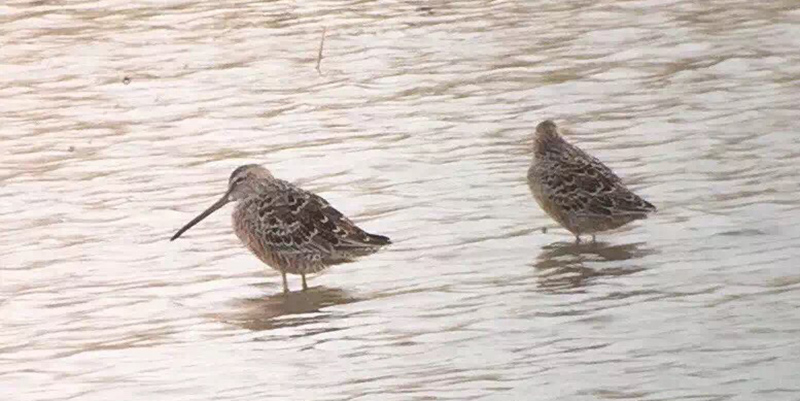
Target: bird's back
(578,190)
(297,231)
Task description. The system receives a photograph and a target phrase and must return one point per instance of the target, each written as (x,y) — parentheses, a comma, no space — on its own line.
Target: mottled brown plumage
(288,228)
(577,190)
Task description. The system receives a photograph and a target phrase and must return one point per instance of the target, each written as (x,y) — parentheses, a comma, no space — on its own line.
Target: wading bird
(577,190)
(291,230)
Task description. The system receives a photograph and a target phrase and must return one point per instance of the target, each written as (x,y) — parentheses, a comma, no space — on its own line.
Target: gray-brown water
(419,128)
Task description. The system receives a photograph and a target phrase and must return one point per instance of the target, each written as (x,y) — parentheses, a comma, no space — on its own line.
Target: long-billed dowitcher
(290,229)
(577,190)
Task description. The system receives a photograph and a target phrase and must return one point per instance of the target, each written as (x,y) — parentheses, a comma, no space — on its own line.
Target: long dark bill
(220,203)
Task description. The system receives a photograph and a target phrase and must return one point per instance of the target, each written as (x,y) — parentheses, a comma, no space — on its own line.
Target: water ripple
(121,120)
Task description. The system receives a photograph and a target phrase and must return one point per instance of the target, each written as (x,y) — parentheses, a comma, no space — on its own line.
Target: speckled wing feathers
(582,184)
(578,190)
(302,228)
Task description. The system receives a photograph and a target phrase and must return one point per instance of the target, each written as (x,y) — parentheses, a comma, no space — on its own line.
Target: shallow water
(418,127)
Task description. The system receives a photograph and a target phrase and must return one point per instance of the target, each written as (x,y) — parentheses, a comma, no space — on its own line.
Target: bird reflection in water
(287,310)
(563,266)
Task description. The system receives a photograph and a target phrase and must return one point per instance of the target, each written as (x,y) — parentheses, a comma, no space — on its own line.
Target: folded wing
(296,223)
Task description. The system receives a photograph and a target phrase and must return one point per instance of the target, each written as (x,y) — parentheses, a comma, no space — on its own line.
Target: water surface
(418,127)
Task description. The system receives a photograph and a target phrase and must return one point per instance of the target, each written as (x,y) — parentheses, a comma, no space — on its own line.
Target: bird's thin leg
(593,238)
(285,284)
(577,238)
(305,287)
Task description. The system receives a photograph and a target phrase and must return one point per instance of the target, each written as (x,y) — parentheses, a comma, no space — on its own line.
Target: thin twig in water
(319,54)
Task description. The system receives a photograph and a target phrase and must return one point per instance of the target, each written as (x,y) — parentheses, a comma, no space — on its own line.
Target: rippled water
(418,127)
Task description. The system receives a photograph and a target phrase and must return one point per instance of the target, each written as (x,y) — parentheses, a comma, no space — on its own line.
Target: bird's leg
(285,284)
(577,238)
(593,241)
(305,287)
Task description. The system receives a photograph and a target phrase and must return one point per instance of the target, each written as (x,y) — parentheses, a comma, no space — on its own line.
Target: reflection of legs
(285,285)
(305,287)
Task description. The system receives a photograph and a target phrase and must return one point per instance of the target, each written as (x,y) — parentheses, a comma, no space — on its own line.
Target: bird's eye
(237,181)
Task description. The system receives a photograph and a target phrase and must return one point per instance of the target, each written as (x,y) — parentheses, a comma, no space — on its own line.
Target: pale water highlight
(120,120)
